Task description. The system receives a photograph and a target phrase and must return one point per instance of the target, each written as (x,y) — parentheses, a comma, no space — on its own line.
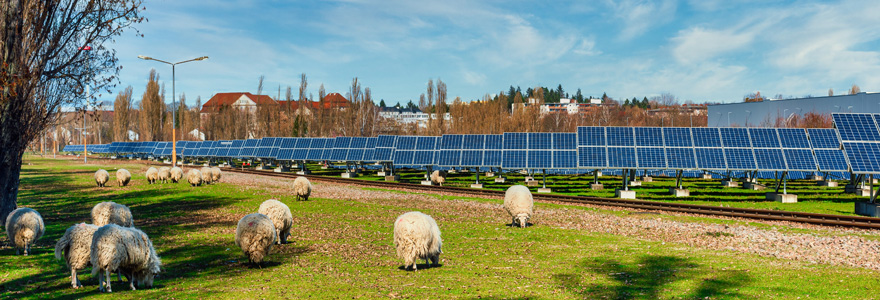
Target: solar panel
(567,159)
(620,136)
(680,158)
(384,148)
(515,141)
(621,157)
(514,159)
(770,159)
(651,158)
(706,137)
(709,158)
(564,141)
(677,137)
(540,141)
(495,141)
(739,158)
(403,158)
(823,138)
(831,160)
(540,159)
(764,138)
(591,136)
(800,160)
(794,138)
(471,158)
(492,158)
(451,141)
(735,137)
(426,142)
(856,127)
(864,157)
(473,141)
(649,136)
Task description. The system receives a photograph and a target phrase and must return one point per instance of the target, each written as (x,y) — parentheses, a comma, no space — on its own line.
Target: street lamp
(747,117)
(173,103)
(728,118)
(785,118)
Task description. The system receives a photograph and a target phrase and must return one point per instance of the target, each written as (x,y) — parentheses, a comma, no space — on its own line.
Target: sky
(696,50)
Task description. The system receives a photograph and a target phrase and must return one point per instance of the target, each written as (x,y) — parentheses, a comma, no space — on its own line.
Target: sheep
(24,226)
(215,174)
(164,174)
(281,218)
(438,177)
(101,177)
(75,247)
(111,213)
(152,175)
(206,175)
(176,174)
(302,188)
(123,177)
(194,177)
(128,250)
(255,235)
(519,204)
(417,236)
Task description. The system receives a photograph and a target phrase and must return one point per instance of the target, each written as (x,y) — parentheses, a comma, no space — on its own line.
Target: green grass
(344,249)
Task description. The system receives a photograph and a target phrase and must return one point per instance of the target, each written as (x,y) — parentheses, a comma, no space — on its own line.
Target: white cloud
(699,44)
(587,47)
(473,78)
(638,16)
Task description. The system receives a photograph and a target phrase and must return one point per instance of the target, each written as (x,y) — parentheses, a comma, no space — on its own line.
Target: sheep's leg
(73,280)
(107,281)
(101,281)
(131,284)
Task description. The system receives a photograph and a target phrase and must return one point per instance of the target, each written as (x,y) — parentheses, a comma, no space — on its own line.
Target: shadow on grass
(420,267)
(649,277)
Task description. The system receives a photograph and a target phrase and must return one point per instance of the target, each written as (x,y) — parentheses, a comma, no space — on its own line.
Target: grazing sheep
(194,177)
(75,247)
(176,174)
(255,235)
(417,236)
(281,218)
(123,177)
(215,174)
(111,213)
(164,174)
(206,175)
(152,175)
(127,250)
(302,188)
(438,177)
(519,204)
(24,226)
(101,177)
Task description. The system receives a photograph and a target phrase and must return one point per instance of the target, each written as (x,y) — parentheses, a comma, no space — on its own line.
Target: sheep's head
(522,219)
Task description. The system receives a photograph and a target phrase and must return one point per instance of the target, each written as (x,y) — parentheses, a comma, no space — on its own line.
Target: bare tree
(854,89)
(44,65)
(152,109)
(121,118)
(830,92)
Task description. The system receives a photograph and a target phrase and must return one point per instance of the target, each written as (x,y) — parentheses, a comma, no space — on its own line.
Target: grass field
(342,248)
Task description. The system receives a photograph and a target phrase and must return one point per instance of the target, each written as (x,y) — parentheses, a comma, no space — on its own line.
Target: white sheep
(127,250)
(206,175)
(101,177)
(255,235)
(215,174)
(176,174)
(417,236)
(123,177)
(438,177)
(194,177)
(302,188)
(281,218)
(519,204)
(164,174)
(75,247)
(24,226)
(111,213)
(152,175)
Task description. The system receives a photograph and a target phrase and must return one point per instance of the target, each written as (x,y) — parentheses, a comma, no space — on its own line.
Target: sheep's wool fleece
(75,245)
(130,249)
(176,174)
(518,201)
(417,236)
(280,215)
(255,235)
(111,213)
(101,177)
(164,173)
(215,174)
(302,187)
(437,178)
(123,177)
(206,175)
(24,226)
(194,177)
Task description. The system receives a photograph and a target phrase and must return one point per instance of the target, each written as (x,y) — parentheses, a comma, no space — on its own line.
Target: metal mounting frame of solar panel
(860,138)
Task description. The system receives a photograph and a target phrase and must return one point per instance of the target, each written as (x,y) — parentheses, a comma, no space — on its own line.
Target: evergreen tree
(626,103)
(511,92)
(579,96)
(382,103)
(560,92)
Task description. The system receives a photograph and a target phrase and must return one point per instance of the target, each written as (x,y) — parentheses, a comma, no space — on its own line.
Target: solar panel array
(860,137)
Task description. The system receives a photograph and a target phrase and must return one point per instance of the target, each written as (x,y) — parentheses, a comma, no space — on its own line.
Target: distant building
(408,115)
(765,113)
(250,102)
(567,106)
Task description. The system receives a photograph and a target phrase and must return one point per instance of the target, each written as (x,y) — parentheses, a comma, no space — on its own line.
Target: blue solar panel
(681,158)
(823,138)
(473,141)
(677,137)
(540,140)
(620,136)
(793,138)
(592,157)
(471,158)
(403,157)
(406,143)
(831,160)
(764,138)
(514,159)
(564,141)
(495,141)
(706,137)
(515,140)
(710,158)
(424,157)
(371,142)
(770,159)
(649,136)
(735,137)
(565,159)
(426,142)
(355,155)
(856,127)
(739,159)
(800,159)
(621,157)
(492,158)
(651,158)
(358,143)
(450,158)
(864,158)
(451,141)
(591,136)
(386,141)
(540,159)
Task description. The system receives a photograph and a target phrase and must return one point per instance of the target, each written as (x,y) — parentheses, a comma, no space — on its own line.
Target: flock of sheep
(112,244)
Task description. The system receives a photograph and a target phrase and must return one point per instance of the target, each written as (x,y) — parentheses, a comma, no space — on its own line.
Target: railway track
(757,214)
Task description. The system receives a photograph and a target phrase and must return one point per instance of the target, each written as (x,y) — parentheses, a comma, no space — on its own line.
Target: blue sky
(700,50)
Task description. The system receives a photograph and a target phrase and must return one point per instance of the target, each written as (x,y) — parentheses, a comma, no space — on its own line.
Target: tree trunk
(10,169)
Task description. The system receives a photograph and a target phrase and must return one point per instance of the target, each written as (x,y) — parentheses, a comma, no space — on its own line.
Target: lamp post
(728,118)
(173,102)
(747,117)
(785,118)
